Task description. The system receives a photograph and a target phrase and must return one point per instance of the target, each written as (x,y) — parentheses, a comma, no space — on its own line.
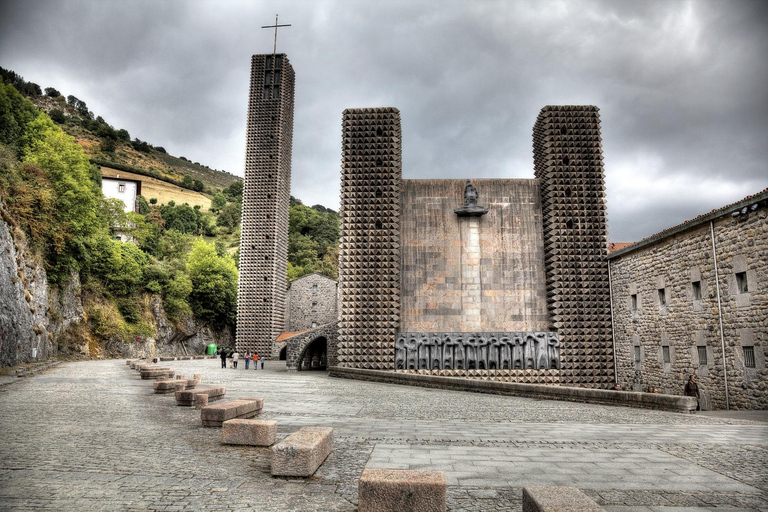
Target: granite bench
(396,490)
(548,498)
(301,453)
(169,386)
(187,396)
(157,373)
(241,408)
(249,432)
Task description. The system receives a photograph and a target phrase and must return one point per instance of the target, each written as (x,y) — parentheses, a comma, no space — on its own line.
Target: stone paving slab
(91,436)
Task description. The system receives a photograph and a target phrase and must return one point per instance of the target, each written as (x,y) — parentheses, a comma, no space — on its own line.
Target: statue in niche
(459,359)
(423,351)
(529,357)
(554,351)
(482,352)
(505,353)
(401,353)
(518,356)
(448,348)
(470,208)
(434,352)
(541,351)
(494,346)
(470,349)
(411,346)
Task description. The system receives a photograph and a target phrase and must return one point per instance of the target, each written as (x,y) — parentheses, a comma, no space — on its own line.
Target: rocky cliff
(41,323)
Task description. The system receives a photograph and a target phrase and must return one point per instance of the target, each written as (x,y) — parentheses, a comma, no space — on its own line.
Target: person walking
(692,389)
(247,358)
(255,361)
(235,357)
(223,355)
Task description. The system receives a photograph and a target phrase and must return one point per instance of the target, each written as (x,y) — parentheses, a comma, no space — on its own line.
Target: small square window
(314,324)
(633,299)
(637,354)
(665,354)
(696,289)
(702,356)
(662,297)
(749,356)
(741,282)
(121,187)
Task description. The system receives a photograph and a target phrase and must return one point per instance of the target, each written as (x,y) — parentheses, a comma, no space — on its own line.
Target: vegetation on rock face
(313,241)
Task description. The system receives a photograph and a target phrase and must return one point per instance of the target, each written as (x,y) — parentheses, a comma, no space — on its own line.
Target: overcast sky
(682,86)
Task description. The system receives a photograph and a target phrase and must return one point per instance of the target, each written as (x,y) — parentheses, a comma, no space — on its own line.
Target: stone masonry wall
(505,283)
(669,313)
(311,299)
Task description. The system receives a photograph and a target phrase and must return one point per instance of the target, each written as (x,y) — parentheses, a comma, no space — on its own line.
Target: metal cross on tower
(275,26)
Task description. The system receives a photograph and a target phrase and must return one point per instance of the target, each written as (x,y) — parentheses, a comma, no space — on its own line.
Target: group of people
(235,357)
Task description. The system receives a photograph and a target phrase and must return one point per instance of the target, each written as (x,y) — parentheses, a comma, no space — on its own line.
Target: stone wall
(674,314)
(453,281)
(312,299)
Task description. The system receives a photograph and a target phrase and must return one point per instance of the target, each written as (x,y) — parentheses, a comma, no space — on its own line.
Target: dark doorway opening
(315,356)
(283,353)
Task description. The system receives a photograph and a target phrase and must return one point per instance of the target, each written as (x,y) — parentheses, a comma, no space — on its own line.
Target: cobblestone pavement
(93,436)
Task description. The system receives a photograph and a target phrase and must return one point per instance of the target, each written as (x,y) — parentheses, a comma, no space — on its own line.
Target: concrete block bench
(157,373)
(187,397)
(301,453)
(249,432)
(243,408)
(557,499)
(395,490)
(162,387)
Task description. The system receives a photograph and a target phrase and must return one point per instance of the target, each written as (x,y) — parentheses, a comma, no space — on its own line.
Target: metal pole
(720,315)
(613,326)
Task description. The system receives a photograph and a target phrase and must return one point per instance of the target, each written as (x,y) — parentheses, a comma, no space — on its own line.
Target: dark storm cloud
(681,85)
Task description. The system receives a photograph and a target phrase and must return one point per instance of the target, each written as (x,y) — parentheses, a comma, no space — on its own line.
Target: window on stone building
(314,324)
(314,288)
(665,354)
(749,356)
(637,354)
(378,192)
(379,132)
(566,160)
(696,289)
(702,356)
(633,301)
(378,162)
(662,297)
(121,187)
(378,224)
(741,282)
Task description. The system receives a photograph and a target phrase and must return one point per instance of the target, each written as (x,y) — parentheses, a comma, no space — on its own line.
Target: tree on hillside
(53,93)
(123,135)
(214,285)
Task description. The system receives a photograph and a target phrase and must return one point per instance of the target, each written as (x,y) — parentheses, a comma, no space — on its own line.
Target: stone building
(261,303)
(312,301)
(694,299)
(495,279)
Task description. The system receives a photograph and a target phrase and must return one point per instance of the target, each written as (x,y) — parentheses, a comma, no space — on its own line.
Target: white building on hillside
(124,189)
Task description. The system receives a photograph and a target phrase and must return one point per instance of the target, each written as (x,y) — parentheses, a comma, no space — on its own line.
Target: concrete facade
(263,283)
(465,274)
(670,300)
(527,258)
(312,301)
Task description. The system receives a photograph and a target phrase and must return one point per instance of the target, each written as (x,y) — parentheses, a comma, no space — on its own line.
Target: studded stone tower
(568,162)
(266,199)
(369,252)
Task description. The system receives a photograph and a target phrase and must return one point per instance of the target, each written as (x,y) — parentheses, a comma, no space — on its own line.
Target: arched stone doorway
(315,356)
(283,353)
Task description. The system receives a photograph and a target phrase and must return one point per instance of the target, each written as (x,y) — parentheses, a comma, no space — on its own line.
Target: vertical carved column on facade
(568,162)
(266,198)
(471,287)
(369,249)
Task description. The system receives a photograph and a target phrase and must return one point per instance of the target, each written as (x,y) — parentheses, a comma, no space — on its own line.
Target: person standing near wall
(247,358)
(235,357)
(692,389)
(255,361)
(223,355)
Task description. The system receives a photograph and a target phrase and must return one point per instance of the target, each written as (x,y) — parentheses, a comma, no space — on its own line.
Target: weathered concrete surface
(301,453)
(215,415)
(152,455)
(187,397)
(461,274)
(545,498)
(395,490)
(249,432)
(598,396)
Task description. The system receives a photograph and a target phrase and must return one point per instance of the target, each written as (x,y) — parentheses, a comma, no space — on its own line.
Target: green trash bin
(210,349)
